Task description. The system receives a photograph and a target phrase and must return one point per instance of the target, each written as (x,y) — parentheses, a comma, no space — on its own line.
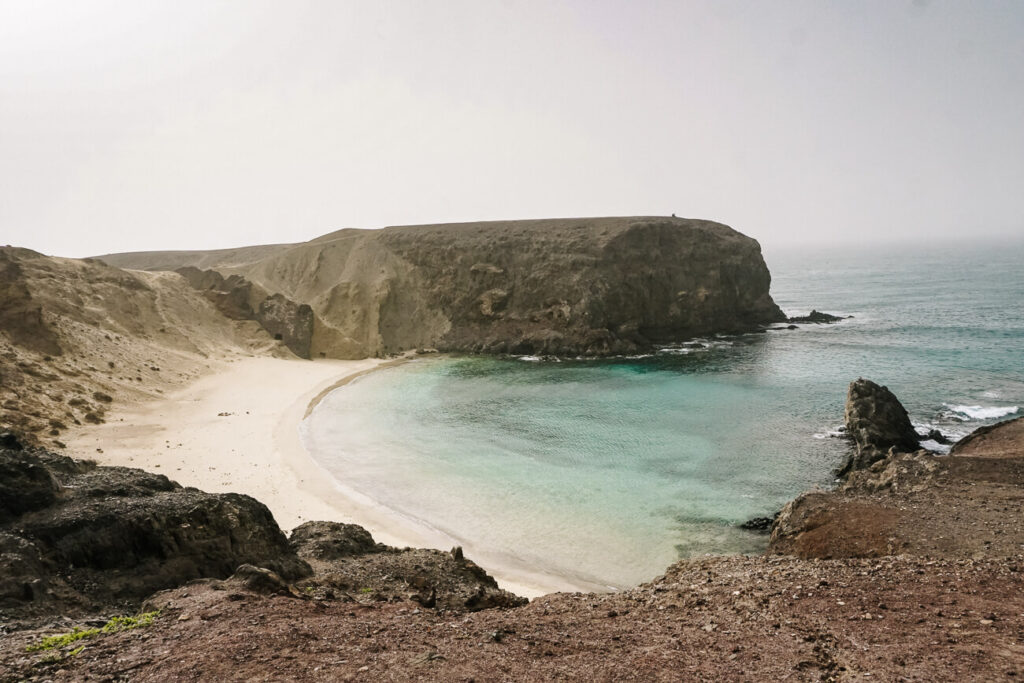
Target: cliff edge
(594,286)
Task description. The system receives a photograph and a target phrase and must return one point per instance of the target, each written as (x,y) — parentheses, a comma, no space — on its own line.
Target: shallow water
(607,471)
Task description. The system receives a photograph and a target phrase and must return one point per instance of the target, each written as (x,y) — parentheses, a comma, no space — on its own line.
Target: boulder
(112,535)
(877,423)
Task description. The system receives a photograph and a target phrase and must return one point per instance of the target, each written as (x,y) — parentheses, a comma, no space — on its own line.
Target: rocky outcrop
(21,317)
(348,563)
(877,423)
(817,317)
(77,537)
(287,321)
(92,536)
(237,298)
(593,286)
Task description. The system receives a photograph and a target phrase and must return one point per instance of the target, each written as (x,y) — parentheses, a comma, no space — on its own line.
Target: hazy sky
(186,125)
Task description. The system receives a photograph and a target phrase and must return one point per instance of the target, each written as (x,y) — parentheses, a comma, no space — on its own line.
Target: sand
(236,429)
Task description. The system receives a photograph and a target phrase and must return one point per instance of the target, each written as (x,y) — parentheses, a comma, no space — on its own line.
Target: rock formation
(346,560)
(570,286)
(21,317)
(91,536)
(876,422)
(817,317)
(77,537)
(237,298)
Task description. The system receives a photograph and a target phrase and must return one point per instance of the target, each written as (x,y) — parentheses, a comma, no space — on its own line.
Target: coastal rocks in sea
(759,524)
(593,286)
(91,536)
(817,317)
(878,423)
(237,298)
(348,563)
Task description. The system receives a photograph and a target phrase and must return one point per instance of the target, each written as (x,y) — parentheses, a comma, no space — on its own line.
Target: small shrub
(113,626)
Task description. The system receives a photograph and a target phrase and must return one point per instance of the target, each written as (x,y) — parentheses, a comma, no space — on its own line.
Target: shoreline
(236,429)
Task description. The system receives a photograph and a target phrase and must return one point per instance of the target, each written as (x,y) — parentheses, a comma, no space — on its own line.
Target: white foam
(990,394)
(935,446)
(530,359)
(981,412)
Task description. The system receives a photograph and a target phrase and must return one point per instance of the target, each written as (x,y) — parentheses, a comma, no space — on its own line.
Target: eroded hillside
(77,336)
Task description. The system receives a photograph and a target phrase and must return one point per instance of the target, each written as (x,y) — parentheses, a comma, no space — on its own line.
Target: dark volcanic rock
(938,437)
(25,485)
(332,540)
(760,524)
(877,422)
(287,321)
(346,560)
(113,535)
(817,317)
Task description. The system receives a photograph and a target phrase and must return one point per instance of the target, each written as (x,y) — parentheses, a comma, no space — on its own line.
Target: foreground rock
(877,423)
(591,286)
(348,564)
(78,537)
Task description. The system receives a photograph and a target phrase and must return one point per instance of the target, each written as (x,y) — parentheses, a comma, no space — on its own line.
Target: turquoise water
(607,471)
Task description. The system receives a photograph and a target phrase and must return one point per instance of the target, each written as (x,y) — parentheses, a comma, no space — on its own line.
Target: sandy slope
(236,429)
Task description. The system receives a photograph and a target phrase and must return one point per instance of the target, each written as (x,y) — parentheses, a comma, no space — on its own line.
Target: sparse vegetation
(113,626)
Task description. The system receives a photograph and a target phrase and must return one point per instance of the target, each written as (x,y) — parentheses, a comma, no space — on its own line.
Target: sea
(606,471)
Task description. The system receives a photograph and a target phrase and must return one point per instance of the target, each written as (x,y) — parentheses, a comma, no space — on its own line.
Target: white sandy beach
(236,429)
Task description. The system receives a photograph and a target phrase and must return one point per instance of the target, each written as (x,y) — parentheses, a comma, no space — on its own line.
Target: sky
(142,125)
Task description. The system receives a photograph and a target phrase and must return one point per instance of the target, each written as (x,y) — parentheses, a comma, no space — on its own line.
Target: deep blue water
(609,470)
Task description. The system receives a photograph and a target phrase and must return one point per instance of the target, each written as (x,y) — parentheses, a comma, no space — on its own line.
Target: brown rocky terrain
(567,286)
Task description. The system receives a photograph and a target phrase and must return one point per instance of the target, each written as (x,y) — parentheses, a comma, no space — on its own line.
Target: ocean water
(607,471)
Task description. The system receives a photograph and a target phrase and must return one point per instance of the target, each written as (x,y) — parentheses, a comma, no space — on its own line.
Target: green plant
(113,626)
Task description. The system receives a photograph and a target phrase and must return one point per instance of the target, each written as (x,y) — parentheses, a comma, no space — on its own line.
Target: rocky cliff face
(568,286)
(237,298)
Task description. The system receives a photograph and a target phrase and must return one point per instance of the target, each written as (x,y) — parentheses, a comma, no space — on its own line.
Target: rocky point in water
(818,317)
(877,422)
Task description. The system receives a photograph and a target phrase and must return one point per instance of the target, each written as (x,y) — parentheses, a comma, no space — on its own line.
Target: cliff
(592,286)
